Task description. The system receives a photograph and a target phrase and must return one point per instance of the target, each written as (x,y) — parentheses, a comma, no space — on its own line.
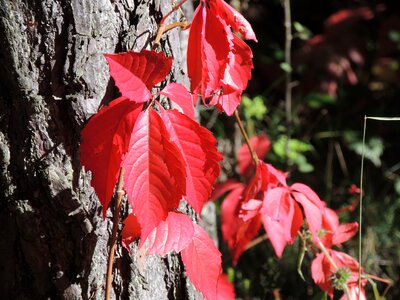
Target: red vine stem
(120,192)
(176,7)
(246,137)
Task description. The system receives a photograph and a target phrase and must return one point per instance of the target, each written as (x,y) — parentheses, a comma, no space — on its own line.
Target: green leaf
(286,67)
(296,148)
(302,32)
(254,108)
(318,100)
(394,36)
(373,150)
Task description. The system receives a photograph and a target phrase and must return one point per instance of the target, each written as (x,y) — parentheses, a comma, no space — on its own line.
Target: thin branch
(113,245)
(246,138)
(361,207)
(176,7)
(288,73)
(256,241)
(164,28)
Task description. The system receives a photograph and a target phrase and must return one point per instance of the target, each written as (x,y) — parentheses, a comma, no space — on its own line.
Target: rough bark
(53,77)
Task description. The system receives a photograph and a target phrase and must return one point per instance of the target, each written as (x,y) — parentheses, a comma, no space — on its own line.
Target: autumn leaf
(131,230)
(105,139)
(202,262)
(135,73)
(322,271)
(173,234)
(198,148)
(177,93)
(155,172)
(225,289)
(219,63)
(261,145)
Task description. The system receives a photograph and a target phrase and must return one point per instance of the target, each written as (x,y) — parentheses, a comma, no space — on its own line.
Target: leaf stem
(113,245)
(256,241)
(246,138)
(175,8)
(331,261)
(164,28)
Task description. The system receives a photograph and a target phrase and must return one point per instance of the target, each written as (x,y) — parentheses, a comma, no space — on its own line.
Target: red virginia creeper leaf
(230,221)
(312,212)
(224,187)
(131,230)
(322,270)
(282,218)
(173,234)
(194,52)
(104,141)
(179,94)
(202,261)
(198,148)
(135,73)
(225,289)
(154,172)
(336,233)
(234,19)
(260,145)
(247,231)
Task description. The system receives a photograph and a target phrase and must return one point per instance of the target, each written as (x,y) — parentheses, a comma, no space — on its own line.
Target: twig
(256,241)
(176,7)
(246,138)
(164,28)
(288,77)
(360,211)
(113,245)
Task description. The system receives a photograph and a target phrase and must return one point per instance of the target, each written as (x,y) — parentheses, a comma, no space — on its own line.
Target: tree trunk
(53,77)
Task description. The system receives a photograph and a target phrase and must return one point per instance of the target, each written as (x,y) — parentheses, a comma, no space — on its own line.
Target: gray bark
(53,77)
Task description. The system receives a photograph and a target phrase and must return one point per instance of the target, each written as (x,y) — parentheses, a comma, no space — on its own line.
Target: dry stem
(246,138)
(113,245)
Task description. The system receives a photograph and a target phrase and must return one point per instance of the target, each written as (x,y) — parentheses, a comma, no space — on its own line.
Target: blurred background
(345,65)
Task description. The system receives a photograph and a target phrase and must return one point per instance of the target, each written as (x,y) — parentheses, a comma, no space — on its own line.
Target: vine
(159,157)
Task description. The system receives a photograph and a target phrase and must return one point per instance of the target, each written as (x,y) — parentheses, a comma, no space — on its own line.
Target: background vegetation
(346,60)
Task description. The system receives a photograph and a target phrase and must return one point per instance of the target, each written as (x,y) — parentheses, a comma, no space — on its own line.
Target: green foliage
(373,149)
(293,150)
(254,108)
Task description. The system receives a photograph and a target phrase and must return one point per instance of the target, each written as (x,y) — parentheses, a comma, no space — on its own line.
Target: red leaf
(344,232)
(282,218)
(135,73)
(202,261)
(230,221)
(219,63)
(322,270)
(215,50)
(198,148)
(260,145)
(179,94)
(173,234)
(234,19)
(131,230)
(336,233)
(155,172)
(225,289)
(104,142)
(194,52)
(246,233)
(309,194)
(224,187)
(312,212)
